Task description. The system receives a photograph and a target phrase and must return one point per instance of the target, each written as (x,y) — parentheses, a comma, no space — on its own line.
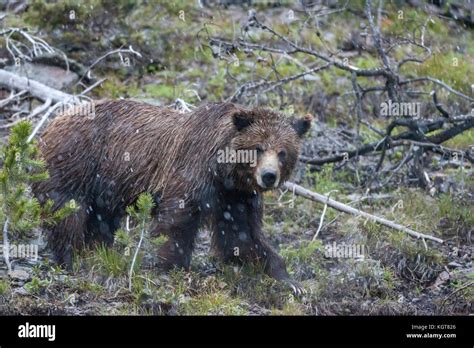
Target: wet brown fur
(106,159)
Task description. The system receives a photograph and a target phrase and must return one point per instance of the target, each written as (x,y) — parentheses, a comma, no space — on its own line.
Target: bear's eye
(282,155)
(259,149)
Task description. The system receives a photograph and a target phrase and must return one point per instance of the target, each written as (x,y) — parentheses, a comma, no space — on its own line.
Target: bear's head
(265,146)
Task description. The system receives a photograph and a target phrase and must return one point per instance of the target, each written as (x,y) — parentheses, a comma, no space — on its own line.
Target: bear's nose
(269,178)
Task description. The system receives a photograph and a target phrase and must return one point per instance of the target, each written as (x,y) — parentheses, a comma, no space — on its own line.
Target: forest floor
(395,274)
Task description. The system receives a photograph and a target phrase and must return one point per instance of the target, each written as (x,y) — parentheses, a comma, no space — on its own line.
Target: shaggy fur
(105,160)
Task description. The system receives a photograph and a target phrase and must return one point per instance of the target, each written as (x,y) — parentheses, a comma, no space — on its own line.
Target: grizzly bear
(106,158)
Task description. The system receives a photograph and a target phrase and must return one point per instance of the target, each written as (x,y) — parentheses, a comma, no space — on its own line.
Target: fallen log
(301,191)
(42,92)
(35,88)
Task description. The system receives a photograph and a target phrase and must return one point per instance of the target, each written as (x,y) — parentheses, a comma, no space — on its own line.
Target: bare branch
(376,34)
(35,112)
(438,105)
(467,123)
(6,246)
(272,85)
(118,51)
(301,191)
(11,98)
(438,82)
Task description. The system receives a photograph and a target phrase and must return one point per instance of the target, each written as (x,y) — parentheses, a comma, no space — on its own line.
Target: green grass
(451,68)
(305,253)
(218,303)
(36,285)
(110,262)
(323,181)
(289,308)
(4,287)
(461,141)
(162,91)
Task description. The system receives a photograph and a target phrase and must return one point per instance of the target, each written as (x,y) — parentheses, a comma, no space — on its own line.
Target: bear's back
(126,147)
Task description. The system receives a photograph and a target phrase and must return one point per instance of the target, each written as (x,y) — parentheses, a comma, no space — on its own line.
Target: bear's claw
(297,288)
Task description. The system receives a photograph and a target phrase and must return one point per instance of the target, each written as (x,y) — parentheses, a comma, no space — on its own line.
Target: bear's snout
(268,171)
(269,177)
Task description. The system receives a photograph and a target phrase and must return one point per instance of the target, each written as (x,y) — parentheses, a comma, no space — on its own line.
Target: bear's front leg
(180,227)
(238,237)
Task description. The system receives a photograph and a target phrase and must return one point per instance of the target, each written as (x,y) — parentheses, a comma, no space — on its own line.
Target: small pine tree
(21,167)
(138,236)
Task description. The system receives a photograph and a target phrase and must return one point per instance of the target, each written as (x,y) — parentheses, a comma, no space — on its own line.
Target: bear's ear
(302,125)
(242,119)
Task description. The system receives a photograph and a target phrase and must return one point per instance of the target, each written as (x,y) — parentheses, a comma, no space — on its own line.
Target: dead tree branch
(6,246)
(272,85)
(42,92)
(301,191)
(413,134)
(118,51)
(36,89)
